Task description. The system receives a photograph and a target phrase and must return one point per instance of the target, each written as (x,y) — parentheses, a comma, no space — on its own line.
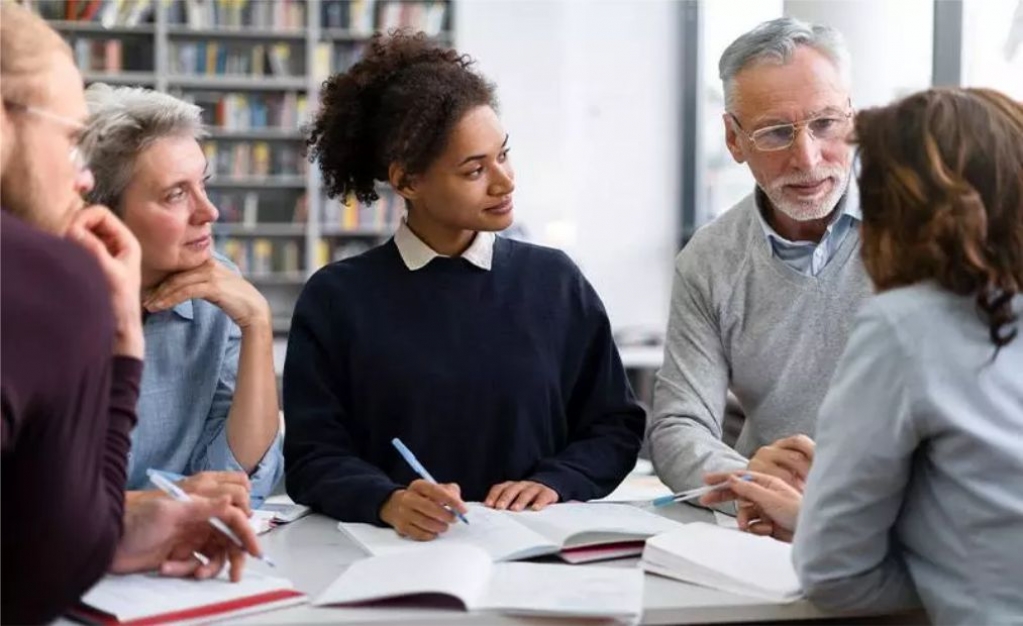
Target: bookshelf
(255,67)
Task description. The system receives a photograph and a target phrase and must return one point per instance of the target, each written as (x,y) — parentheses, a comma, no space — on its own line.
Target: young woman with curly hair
(491,359)
(915,490)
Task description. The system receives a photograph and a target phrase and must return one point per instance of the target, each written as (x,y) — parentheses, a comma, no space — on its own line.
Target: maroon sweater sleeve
(68,408)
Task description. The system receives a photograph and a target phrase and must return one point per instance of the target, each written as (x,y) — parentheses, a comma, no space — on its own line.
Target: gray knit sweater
(743,320)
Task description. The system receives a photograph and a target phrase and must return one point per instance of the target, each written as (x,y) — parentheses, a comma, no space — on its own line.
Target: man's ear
(402,182)
(732,139)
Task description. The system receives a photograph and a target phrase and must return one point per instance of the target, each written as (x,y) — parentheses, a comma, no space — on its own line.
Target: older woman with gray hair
(208,404)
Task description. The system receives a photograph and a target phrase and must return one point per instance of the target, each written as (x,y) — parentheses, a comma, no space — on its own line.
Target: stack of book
(227,14)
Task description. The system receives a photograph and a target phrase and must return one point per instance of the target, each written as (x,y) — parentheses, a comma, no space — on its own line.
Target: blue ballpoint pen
(418,468)
(178,494)
(683,496)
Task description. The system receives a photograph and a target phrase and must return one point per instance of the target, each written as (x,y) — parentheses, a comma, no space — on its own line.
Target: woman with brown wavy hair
(916,489)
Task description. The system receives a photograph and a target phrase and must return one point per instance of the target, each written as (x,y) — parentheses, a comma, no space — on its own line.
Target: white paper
(725,559)
(564,590)
(493,531)
(725,521)
(139,595)
(458,571)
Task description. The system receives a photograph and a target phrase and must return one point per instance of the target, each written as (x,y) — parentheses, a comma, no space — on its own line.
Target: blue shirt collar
(184,310)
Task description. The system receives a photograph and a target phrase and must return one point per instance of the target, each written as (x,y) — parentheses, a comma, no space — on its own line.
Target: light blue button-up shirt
(810,257)
(188,383)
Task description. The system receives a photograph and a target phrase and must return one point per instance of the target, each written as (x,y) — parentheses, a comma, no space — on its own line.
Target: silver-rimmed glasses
(827,126)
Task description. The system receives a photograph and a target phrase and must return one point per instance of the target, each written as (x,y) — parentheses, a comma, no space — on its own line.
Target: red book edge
(99,617)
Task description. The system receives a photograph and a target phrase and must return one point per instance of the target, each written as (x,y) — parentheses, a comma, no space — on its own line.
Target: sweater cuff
(370,499)
(562,484)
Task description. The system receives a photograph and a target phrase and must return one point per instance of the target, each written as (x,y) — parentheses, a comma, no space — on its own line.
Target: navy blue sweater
(488,376)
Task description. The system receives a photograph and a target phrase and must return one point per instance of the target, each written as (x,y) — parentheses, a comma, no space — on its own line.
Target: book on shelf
(109,13)
(245,207)
(363,17)
(235,14)
(349,214)
(218,58)
(466,574)
(152,599)
(232,158)
(263,256)
(336,57)
(573,531)
(330,251)
(422,16)
(234,111)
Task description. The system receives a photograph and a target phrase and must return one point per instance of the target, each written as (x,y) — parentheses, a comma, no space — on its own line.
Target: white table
(312,553)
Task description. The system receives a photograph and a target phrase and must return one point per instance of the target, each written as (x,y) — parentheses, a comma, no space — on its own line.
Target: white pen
(172,490)
(683,496)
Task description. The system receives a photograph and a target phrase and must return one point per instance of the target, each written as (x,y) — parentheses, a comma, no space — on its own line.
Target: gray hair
(775,41)
(123,122)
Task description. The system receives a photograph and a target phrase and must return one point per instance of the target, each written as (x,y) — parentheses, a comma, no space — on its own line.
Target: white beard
(807,211)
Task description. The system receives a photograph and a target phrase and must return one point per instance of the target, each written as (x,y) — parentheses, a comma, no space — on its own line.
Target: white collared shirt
(416,254)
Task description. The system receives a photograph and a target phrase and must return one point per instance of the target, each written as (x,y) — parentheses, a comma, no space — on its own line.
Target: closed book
(726,559)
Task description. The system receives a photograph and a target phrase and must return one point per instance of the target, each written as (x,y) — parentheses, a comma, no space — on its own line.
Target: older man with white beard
(764,297)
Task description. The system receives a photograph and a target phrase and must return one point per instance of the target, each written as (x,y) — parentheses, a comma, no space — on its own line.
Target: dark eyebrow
(477,157)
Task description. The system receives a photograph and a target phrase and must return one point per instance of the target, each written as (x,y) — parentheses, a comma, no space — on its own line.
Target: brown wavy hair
(941,187)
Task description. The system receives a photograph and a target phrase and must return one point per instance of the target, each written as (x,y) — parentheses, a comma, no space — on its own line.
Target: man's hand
(163,534)
(767,504)
(418,512)
(215,283)
(104,235)
(789,459)
(517,495)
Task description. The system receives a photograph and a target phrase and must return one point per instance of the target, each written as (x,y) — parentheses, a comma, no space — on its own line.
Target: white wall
(590,97)
(889,41)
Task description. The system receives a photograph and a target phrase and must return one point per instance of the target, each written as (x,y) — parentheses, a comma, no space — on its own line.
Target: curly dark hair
(941,183)
(398,104)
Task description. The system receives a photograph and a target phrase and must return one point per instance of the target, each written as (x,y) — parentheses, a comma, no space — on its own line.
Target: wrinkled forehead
(774,92)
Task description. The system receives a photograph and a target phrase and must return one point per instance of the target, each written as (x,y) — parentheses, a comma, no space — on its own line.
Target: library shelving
(255,68)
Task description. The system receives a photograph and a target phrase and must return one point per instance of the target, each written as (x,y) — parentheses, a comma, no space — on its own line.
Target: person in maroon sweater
(70,359)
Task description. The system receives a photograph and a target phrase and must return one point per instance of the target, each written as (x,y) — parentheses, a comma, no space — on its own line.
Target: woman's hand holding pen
(164,535)
(418,512)
(777,503)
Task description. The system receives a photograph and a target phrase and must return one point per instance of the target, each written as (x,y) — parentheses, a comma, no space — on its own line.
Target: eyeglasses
(825,127)
(75,153)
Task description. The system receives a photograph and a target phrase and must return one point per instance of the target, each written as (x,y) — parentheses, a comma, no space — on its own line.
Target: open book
(152,599)
(576,531)
(465,574)
(725,559)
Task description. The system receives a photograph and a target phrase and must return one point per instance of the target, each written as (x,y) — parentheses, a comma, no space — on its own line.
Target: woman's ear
(401,181)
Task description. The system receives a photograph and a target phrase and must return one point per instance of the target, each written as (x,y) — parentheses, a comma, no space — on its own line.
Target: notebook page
(737,562)
(140,595)
(455,570)
(573,524)
(495,532)
(564,590)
